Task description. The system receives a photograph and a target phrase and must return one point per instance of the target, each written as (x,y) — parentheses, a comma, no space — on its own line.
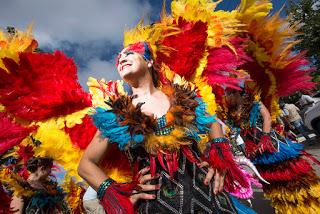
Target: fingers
(218,181)
(136,197)
(208,176)
(144,179)
(144,170)
(148,187)
(203,164)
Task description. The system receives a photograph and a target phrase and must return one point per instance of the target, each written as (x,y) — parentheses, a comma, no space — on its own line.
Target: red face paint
(140,48)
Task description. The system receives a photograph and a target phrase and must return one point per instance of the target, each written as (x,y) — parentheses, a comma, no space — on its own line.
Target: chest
(154,106)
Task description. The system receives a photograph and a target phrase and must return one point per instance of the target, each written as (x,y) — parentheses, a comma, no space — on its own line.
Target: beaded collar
(162,127)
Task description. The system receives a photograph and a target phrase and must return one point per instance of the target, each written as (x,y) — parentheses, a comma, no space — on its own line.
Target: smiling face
(134,61)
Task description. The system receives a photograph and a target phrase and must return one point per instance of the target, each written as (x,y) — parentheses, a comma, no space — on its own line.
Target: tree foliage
(307,13)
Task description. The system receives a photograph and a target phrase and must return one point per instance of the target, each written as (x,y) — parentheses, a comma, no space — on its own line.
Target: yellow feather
(166,143)
(56,143)
(14,183)
(12,44)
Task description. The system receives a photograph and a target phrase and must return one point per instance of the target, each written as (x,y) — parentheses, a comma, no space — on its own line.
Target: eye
(129,52)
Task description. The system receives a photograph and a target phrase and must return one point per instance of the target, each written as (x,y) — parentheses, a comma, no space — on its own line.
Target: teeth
(125,66)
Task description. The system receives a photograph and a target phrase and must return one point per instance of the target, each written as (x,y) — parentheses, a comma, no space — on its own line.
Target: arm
(216,130)
(266,118)
(219,175)
(265,143)
(90,171)
(88,167)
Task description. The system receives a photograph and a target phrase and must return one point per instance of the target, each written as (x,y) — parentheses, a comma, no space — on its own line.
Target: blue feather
(242,209)
(254,114)
(106,121)
(203,118)
(286,151)
(43,199)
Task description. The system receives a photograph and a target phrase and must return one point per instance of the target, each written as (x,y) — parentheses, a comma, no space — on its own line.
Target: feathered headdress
(213,48)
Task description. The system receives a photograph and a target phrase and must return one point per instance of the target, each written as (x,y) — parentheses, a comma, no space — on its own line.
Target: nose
(122,60)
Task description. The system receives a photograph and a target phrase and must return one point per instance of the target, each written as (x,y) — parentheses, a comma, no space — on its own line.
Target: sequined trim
(225,197)
(208,197)
(196,202)
(162,126)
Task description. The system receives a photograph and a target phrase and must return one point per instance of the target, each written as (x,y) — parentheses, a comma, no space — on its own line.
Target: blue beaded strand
(102,188)
(162,127)
(220,140)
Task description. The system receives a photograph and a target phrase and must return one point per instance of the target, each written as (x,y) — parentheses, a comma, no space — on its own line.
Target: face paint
(140,48)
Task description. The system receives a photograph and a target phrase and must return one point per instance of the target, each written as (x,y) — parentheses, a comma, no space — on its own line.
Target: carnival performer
(293,182)
(157,128)
(45,195)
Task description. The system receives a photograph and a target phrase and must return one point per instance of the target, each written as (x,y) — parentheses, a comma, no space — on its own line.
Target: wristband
(220,140)
(102,188)
(266,133)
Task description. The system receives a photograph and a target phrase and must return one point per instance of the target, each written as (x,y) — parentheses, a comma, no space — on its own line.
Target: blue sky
(89,31)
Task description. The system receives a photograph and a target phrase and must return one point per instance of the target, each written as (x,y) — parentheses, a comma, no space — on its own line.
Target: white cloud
(98,69)
(74,20)
(87,30)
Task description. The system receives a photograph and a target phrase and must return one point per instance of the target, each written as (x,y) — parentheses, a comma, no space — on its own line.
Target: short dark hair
(155,75)
(35,162)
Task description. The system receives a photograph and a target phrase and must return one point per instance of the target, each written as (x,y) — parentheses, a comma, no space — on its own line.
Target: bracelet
(102,188)
(219,140)
(265,133)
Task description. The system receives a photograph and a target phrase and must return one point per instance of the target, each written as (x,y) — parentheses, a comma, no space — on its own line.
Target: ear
(150,63)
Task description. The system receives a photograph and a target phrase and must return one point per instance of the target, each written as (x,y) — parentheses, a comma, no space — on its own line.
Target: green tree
(307,12)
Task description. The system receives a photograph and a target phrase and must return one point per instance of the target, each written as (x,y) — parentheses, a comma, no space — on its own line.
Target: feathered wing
(276,68)
(218,49)
(44,111)
(41,89)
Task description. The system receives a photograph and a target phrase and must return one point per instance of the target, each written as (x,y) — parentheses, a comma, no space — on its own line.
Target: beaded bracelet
(102,188)
(219,140)
(266,133)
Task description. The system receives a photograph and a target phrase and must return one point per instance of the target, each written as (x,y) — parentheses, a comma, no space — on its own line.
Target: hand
(143,186)
(218,177)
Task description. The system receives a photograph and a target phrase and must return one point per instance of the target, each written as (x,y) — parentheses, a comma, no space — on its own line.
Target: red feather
(82,134)
(41,86)
(188,47)
(311,157)
(25,153)
(223,63)
(115,159)
(116,199)
(286,171)
(290,79)
(5,201)
(221,158)
(295,76)
(11,134)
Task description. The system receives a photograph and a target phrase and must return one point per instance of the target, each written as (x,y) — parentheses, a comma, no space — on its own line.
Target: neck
(143,87)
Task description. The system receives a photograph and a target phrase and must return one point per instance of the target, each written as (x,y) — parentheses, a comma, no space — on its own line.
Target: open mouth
(124,66)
